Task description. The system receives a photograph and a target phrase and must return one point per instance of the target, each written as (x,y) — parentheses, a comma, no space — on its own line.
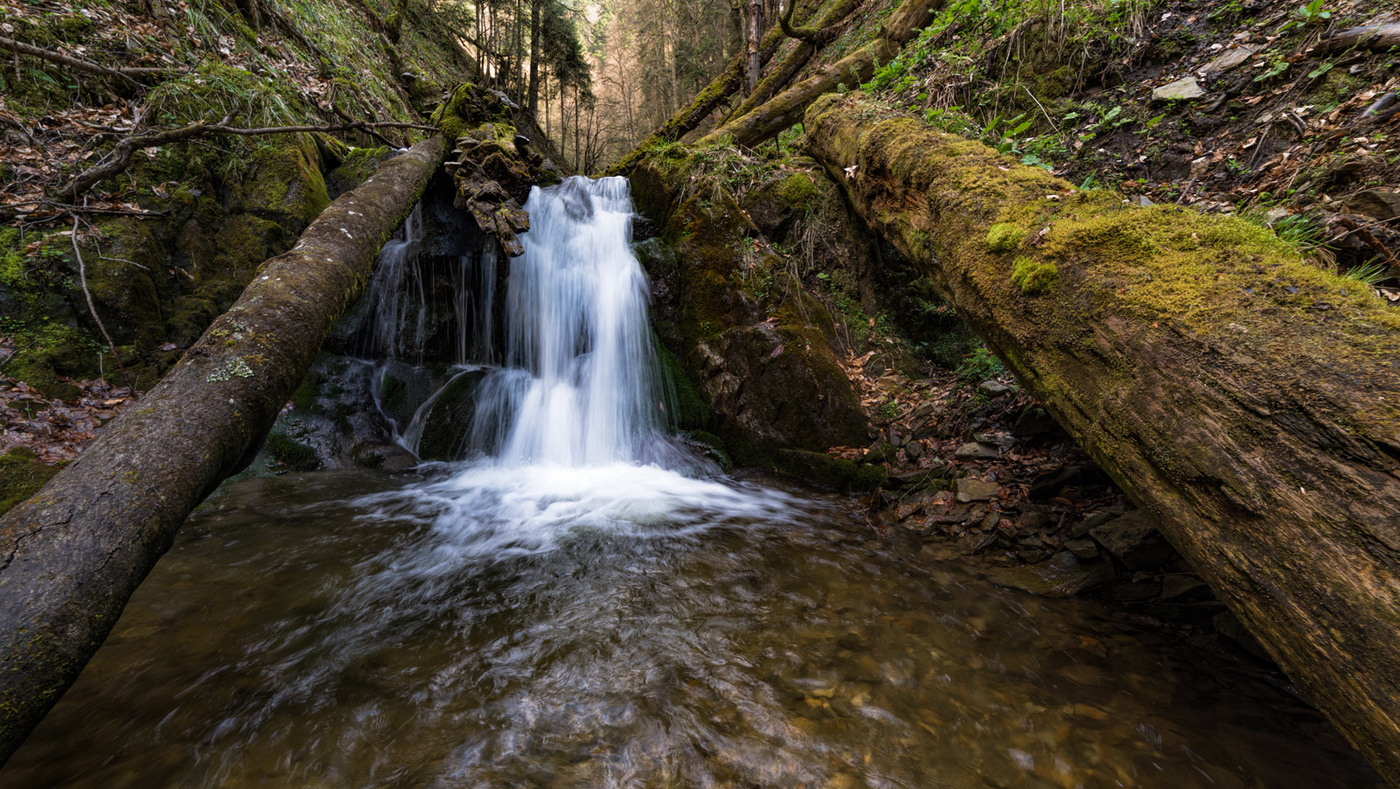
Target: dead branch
(121,156)
(63,208)
(82,278)
(128,74)
(1375,37)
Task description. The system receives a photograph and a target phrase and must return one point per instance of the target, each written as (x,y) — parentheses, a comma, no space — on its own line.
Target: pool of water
(623,626)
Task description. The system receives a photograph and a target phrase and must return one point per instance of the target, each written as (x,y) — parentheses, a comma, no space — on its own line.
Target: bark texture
(781,112)
(1376,37)
(1248,399)
(71,556)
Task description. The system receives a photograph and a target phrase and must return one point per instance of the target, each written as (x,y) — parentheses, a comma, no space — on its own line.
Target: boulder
(1134,540)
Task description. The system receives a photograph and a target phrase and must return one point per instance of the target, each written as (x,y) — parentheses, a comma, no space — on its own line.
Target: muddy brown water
(625,627)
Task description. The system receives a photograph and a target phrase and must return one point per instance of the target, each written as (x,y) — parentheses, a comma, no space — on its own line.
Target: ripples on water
(629,626)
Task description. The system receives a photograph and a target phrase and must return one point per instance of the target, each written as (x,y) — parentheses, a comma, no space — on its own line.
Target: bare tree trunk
(753,53)
(533,99)
(1245,398)
(74,553)
(1375,37)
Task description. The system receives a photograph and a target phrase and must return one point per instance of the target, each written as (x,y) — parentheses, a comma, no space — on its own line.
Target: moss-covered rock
(828,472)
(758,347)
(284,184)
(448,422)
(21,476)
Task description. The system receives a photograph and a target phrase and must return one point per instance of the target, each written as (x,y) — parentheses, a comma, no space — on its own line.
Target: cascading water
(581,385)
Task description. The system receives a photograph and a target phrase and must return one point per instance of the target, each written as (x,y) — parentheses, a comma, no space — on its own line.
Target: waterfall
(581,383)
(400,303)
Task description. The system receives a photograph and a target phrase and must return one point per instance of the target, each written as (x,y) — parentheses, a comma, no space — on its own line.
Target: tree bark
(1374,37)
(1246,398)
(786,109)
(753,50)
(693,114)
(71,556)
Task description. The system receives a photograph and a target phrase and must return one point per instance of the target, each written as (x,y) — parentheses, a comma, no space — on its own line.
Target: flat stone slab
(970,490)
(1228,59)
(1184,88)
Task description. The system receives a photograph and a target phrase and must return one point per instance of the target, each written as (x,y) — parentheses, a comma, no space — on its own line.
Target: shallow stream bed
(486,626)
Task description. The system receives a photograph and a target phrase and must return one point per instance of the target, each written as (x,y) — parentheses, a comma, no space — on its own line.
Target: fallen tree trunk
(1375,37)
(1248,399)
(786,109)
(705,102)
(71,556)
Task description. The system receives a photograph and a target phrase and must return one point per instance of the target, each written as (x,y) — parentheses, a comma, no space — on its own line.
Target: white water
(400,306)
(581,384)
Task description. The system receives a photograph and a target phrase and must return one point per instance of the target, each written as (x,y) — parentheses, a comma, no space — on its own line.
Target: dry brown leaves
(55,430)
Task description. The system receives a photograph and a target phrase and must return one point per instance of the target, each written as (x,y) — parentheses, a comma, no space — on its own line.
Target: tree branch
(128,74)
(125,148)
(92,308)
(1374,37)
(812,35)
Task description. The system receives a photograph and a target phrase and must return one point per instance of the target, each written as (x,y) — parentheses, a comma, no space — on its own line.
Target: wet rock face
(758,350)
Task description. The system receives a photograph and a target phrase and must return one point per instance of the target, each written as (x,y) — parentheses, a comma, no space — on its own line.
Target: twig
(129,145)
(1042,108)
(128,74)
(82,209)
(82,277)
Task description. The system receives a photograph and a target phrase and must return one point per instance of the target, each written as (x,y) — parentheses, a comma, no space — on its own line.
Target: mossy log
(71,556)
(781,112)
(1247,398)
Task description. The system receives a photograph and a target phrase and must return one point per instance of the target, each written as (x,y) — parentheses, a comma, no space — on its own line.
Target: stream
(580,602)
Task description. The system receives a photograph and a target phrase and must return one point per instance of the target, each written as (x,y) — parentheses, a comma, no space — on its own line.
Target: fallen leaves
(54,430)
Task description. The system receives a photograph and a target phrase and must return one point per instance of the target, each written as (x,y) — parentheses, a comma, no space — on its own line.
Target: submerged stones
(1062,575)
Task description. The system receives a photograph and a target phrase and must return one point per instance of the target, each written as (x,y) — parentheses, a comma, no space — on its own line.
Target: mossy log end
(71,556)
(1247,398)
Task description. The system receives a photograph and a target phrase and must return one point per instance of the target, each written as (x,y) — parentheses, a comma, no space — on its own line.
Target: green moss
(1033,276)
(690,411)
(468,107)
(828,472)
(285,184)
(355,165)
(21,476)
(714,448)
(291,453)
(1005,237)
(797,189)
